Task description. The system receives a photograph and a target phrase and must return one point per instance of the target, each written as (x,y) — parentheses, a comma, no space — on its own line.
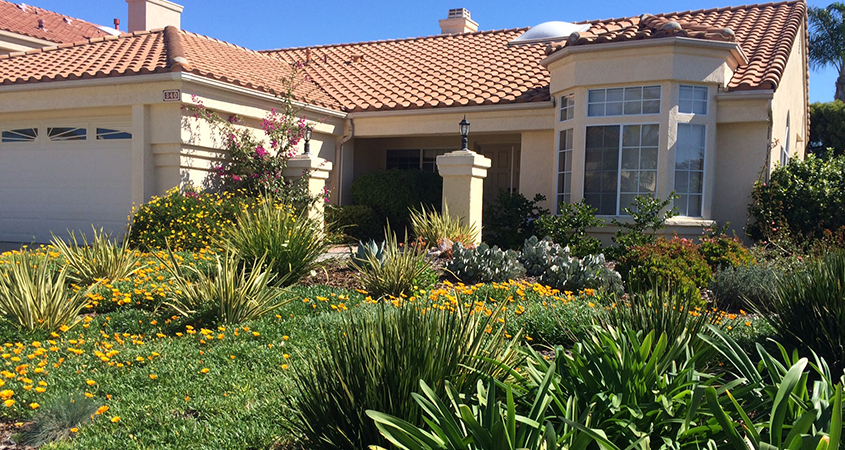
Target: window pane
(648,182)
(635,93)
(630,158)
(699,108)
(631,136)
(651,135)
(700,93)
(681,181)
(694,182)
(632,108)
(694,206)
(685,106)
(648,158)
(595,110)
(651,92)
(685,93)
(20,135)
(689,168)
(596,96)
(614,95)
(66,133)
(651,107)
(613,109)
(109,134)
(629,181)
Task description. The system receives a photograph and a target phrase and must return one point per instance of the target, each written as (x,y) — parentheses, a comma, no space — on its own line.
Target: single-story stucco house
(702,103)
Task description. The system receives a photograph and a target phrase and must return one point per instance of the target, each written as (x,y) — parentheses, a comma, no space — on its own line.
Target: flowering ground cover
(165,381)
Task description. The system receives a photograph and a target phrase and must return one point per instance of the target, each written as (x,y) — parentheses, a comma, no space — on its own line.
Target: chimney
(117,24)
(151,14)
(458,22)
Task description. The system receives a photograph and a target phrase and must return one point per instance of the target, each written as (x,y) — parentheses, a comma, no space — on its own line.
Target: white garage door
(54,179)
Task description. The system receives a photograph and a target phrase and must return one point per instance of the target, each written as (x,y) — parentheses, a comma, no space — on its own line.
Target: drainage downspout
(338,156)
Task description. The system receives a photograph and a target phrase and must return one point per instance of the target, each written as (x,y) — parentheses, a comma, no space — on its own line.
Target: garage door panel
(55,187)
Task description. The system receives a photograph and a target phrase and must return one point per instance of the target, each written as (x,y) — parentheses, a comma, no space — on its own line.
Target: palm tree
(827,42)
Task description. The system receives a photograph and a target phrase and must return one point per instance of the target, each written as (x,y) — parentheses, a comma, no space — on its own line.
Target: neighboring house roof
(164,50)
(447,70)
(765,32)
(427,72)
(58,28)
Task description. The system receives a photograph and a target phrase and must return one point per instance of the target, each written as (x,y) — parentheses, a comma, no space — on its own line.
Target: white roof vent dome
(549,32)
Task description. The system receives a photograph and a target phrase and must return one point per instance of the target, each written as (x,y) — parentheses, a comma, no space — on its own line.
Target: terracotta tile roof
(58,28)
(765,32)
(435,71)
(167,50)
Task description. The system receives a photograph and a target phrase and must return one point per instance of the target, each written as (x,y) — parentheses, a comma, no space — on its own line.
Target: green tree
(827,128)
(827,42)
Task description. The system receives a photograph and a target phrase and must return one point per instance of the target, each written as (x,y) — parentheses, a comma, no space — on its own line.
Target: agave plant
(237,294)
(33,295)
(99,259)
(367,252)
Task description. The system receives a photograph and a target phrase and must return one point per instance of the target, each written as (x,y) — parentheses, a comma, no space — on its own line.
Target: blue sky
(266,24)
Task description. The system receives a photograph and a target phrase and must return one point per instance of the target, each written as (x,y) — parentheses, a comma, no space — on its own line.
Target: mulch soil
(9,429)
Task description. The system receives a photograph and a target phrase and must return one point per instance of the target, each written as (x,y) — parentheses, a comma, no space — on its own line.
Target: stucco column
(463,173)
(318,170)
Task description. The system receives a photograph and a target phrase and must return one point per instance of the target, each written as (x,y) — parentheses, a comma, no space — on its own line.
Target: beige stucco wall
(790,100)
(538,166)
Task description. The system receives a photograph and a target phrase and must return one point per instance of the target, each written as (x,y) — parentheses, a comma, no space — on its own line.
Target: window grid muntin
(689,169)
(567,107)
(624,101)
(606,193)
(19,135)
(692,100)
(564,168)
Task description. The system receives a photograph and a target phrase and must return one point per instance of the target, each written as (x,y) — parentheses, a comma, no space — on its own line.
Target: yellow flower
(102,409)
(40,390)
(153,376)
(74,430)
(9,403)
(34,405)
(205,370)
(284,367)
(89,395)
(115,419)
(90,382)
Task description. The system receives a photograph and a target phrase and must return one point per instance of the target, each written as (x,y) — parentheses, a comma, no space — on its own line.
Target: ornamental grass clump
(807,309)
(235,293)
(59,420)
(397,272)
(102,258)
(289,241)
(34,295)
(374,359)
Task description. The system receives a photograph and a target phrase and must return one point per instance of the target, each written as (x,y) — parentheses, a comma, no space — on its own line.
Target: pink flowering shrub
(255,166)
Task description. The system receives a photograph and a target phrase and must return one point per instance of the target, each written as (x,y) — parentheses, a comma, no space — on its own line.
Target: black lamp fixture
(464,133)
(307,140)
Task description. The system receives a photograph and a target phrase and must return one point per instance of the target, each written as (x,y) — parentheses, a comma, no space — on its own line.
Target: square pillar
(318,170)
(463,173)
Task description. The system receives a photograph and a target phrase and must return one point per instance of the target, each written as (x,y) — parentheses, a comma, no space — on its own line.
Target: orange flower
(115,419)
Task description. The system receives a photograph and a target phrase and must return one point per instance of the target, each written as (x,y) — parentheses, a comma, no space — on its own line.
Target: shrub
(674,261)
(390,193)
(569,228)
(484,264)
(101,259)
(432,227)
(33,296)
(734,287)
(54,423)
(374,360)
(827,127)
(236,294)
(402,266)
(648,216)
(358,222)
(558,269)
(289,241)
(807,308)
(511,219)
(721,251)
(800,200)
(186,221)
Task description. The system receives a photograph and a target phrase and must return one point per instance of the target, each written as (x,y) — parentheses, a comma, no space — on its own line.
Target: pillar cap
(463,163)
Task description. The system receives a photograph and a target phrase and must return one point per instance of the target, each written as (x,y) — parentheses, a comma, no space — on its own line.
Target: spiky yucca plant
(34,295)
(238,294)
(402,264)
(431,227)
(291,241)
(101,258)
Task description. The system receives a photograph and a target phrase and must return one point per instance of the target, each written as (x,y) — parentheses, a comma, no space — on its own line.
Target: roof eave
(735,50)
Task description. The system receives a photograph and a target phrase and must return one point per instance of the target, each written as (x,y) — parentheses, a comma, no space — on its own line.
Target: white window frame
(625,90)
(38,134)
(706,100)
(619,207)
(566,107)
(562,194)
(784,151)
(688,171)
